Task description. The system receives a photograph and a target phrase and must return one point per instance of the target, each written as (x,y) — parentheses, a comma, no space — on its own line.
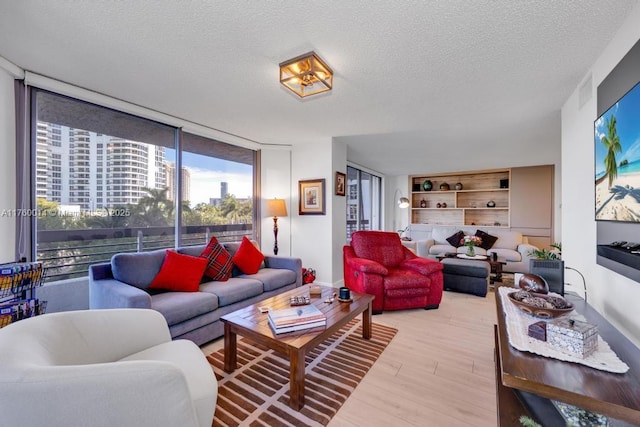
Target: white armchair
(114,367)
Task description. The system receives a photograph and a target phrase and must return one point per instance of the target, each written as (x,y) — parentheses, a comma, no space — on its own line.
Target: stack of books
(296,318)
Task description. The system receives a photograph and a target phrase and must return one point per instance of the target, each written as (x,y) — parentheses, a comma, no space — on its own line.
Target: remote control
(299,301)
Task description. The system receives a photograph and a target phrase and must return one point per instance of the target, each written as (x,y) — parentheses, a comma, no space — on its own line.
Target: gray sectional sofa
(123,283)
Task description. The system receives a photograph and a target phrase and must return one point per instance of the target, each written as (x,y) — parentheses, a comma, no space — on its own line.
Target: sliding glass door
(363,201)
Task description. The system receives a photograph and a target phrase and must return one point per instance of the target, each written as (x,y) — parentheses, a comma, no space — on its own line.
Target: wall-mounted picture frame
(311,195)
(341,183)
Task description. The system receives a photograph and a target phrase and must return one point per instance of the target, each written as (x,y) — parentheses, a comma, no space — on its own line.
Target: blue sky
(208,172)
(627,113)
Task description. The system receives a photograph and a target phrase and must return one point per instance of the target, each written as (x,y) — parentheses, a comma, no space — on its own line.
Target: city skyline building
(75,167)
(170,168)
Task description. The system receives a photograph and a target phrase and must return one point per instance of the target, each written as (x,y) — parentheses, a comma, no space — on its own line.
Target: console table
(614,395)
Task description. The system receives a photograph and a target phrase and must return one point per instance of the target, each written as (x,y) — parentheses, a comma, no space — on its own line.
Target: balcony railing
(68,253)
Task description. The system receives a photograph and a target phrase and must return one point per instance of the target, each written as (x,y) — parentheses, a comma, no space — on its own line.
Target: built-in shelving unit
(462,204)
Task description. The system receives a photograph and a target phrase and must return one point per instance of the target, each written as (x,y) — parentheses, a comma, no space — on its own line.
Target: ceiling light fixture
(306,75)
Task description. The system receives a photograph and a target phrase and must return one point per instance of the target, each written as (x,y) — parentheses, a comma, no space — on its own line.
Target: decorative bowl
(529,306)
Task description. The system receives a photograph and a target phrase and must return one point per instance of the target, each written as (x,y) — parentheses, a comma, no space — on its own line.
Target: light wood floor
(437,371)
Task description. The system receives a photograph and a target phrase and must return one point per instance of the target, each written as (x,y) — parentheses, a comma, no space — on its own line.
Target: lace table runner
(518,322)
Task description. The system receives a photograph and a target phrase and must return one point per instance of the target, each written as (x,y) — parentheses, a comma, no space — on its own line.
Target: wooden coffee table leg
(296,378)
(230,349)
(366,323)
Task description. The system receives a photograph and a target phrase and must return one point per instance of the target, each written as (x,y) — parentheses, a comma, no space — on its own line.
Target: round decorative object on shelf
(444,205)
(439,205)
(423,203)
(459,186)
(444,186)
(427,185)
(533,283)
(491,204)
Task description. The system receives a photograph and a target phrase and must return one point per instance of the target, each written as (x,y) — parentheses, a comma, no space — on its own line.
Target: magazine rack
(18,283)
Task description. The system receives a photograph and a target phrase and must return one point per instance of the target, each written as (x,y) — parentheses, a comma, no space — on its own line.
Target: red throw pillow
(248,258)
(180,273)
(219,264)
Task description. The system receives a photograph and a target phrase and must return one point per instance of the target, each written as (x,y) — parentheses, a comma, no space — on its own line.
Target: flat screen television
(617,160)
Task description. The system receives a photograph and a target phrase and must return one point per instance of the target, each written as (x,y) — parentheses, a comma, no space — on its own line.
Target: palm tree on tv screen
(612,142)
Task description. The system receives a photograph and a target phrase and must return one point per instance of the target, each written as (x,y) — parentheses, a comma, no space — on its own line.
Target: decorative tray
(465,256)
(540,305)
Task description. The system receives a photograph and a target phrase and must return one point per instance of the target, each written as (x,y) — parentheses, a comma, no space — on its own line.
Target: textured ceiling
(419,85)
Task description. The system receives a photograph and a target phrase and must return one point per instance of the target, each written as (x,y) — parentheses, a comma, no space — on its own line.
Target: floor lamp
(403,203)
(276,208)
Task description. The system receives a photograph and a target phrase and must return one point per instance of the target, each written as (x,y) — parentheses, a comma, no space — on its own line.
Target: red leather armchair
(377,263)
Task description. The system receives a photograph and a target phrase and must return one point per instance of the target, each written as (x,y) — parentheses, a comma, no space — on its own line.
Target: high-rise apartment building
(170,172)
(81,168)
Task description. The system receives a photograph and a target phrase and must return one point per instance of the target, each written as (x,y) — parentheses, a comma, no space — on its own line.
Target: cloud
(633,153)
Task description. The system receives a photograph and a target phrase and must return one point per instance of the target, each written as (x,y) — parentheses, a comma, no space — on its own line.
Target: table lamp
(276,208)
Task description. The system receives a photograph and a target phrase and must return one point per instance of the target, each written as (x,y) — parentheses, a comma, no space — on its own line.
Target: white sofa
(511,245)
(114,367)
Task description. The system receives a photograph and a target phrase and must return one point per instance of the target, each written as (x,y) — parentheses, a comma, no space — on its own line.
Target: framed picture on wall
(341,182)
(311,197)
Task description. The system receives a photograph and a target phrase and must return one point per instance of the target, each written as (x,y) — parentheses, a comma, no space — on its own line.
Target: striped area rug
(257,393)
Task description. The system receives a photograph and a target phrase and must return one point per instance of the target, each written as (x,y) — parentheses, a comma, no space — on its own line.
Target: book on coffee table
(298,327)
(296,316)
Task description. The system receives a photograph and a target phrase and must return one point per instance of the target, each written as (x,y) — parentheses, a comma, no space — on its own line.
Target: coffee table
(252,324)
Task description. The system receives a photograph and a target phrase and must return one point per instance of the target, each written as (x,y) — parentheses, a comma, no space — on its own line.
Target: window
(363,201)
(217,188)
(118,190)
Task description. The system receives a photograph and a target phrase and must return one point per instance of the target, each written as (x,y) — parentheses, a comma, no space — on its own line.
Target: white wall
(338,212)
(7,166)
(275,176)
(613,295)
(395,187)
(311,235)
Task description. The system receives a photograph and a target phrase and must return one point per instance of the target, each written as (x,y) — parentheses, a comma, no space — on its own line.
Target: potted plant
(549,265)
(553,254)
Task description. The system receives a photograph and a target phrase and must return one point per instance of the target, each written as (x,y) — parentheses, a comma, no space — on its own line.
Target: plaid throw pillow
(219,264)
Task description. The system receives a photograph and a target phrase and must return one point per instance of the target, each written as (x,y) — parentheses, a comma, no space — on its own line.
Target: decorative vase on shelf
(423,203)
(427,185)
(459,186)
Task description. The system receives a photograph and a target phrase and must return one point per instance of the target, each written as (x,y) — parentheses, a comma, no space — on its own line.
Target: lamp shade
(403,203)
(276,207)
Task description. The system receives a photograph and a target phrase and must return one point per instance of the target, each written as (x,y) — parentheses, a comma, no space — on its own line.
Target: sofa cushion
(248,258)
(507,239)
(192,250)
(456,239)
(487,239)
(137,269)
(401,279)
(234,290)
(273,278)
(382,247)
(177,307)
(509,255)
(179,272)
(441,249)
(219,264)
(440,234)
